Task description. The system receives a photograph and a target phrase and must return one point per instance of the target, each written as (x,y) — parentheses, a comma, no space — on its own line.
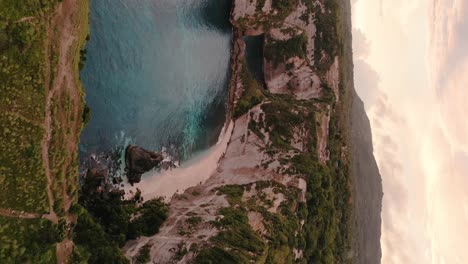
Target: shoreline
(160,180)
(161,183)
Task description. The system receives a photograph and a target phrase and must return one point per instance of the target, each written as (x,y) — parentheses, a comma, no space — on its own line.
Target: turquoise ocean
(156,74)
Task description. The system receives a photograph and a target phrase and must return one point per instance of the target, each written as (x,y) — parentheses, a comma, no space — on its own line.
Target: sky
(411,70)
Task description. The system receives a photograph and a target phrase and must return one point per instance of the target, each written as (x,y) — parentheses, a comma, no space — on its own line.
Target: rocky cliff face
(281,193)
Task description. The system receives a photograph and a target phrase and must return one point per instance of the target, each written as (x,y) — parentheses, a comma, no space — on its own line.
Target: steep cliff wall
(282,192)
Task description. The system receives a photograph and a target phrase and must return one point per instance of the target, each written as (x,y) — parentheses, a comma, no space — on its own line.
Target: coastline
(170,182)
(197,197)
(206,162)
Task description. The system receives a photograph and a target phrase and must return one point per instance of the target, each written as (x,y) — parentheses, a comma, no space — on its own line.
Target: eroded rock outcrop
(139,161)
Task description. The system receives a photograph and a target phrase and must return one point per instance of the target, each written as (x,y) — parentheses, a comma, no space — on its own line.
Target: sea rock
(98,172)
(97,169)
(138,161)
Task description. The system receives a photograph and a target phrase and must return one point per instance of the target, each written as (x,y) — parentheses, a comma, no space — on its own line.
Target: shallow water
(156,74)
(166,183)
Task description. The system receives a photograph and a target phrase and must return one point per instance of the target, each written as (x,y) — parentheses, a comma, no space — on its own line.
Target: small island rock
(139,161)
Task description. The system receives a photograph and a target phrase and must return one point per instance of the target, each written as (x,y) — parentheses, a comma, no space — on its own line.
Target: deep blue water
(156,74)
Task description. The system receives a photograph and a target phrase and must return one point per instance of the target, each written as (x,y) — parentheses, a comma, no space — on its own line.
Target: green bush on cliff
(217,254)
(117,215)
(278,51)
(235,243)
(89,235)
(106,221)
(28,240)
(284,7)
(151,216)
(143,256)
(252,93)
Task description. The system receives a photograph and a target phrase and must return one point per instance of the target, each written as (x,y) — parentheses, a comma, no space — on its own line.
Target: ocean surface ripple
(156,74)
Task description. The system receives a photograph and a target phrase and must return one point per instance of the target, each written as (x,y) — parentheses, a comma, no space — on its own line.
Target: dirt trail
(62,38)
(48,129)
(32,122)
(24,19)
(18,214)
(65,79)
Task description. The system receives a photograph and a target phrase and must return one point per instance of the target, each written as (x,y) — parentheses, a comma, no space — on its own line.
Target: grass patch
(252,93)
(232,192)
(143,256)
(235,243)
(278,51)
(28,240)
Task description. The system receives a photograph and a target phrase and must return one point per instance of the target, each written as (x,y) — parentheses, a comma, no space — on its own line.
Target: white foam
(199,169)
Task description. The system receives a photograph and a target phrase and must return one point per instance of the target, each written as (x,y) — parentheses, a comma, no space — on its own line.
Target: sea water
(156,74)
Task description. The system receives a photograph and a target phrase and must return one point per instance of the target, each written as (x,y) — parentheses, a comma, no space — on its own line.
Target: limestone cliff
(283,191)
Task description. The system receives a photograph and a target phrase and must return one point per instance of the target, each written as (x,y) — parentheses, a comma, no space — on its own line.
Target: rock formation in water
(139,161)
(298,182)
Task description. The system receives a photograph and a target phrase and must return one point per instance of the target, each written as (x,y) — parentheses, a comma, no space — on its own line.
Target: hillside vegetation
(40,116)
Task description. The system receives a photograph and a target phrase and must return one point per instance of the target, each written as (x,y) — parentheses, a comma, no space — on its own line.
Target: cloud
(449,40)
(366,78)
(386,124)
(411,69)
(449,37)
(446,172)
(361,45)
(447,148)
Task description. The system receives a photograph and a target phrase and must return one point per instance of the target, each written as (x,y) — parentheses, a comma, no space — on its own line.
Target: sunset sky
(411,69)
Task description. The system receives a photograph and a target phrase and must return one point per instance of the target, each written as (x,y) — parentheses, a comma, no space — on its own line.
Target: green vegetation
(270,20)
(284,5)
(22,104)
(280,236)
(329,36)
(29,55)
(143,256)
(232,192)
(106,220)
(278,51)
(259,5)
(284,115)
(235,243)
(28,62)
(194,220)
(95,244)
(28,240)
(326,235)
(121,219)
(252,93)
